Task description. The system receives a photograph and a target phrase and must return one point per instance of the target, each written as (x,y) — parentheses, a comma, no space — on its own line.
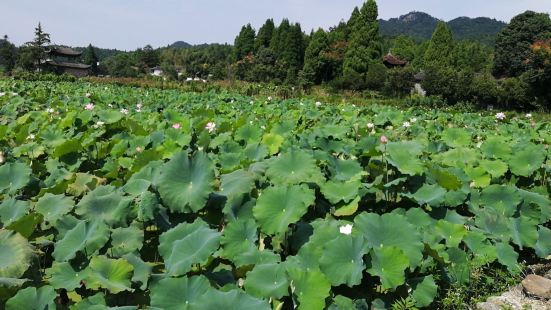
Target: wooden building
(391,61)
(63,60)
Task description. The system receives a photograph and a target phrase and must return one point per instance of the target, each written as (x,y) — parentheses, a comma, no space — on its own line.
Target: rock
(487,306)
(537,286)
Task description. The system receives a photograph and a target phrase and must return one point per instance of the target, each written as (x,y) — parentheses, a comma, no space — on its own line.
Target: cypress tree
(365,42)
(90,58)
(38,45)
(244,42)
(439,51)
(8,54)
(264,36)
(315,70)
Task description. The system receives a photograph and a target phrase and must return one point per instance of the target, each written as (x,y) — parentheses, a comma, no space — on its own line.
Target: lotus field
(128,198)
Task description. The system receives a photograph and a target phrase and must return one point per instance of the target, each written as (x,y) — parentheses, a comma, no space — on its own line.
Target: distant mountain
(421,25)
(180,44)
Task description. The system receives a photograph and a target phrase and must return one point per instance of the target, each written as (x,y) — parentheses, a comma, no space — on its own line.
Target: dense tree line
(514,73)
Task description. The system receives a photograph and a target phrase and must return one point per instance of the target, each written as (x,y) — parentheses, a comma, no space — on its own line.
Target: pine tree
(8,54)
(264,36)
(38,46)
(244,42)
(365,42)
(441,45)
(315,66)
(90,58)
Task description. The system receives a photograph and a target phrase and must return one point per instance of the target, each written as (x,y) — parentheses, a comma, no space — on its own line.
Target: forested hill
(421,25)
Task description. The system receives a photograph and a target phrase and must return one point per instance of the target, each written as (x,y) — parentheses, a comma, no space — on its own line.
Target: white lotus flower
(406,124)
(211,127)
(50,110)
(2,94)
(318,104)
(124,111)
(139,105)
(98,124)
(1,158)
(346,229)
(370,125)
(30,137)
(88,95)
(500,116)
(528,115)
(270,98)
(413,120)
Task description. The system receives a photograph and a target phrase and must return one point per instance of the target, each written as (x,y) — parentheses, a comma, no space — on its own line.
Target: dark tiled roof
(393,60)
(64,51)
(68,65)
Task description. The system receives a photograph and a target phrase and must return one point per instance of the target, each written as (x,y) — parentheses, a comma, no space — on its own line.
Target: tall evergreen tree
(440,48)
(90,58)
(353,22)
(512,47)
(365,42)
(264,36)
(8,54)
(244,42)
(38,46)
(404,48)
(315,66)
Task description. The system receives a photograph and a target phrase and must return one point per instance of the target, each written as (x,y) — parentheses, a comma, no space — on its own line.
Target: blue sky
(127,24)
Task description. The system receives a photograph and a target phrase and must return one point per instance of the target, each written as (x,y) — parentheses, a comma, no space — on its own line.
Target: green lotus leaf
(111,274)
(267,281)
(496,168)
(187,244)
(336,191)
(15,254)
(294,167)
(147,206)
(32,298)
(391,229)
(479,176)
(136,187)
(527,159)
(524,232)
(86,236)
(110,116)
(431,194)
(248,133)
(278,207)
(460,157)
(63,276)
(348,209)
(185,184)
(179,293)
(543,245)
(453,233)
(342,260)
(273,142)
(543,202)
(67,147)
(238,242)
(142,270)
(94,302)
(459,269)
(405,157)
(230,300)
(311,288)
(324,230)
(126,240)
(53,207)
(424,290)
(508,257)
(484,252)
(389,264)
(14,176)
(11,210)
(496,147)
(234,186)
(493,222)
(456,137)
(346,170)
(446,179)
(502,198)
(104,203)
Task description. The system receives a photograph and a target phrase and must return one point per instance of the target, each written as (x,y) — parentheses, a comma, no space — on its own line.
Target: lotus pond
(123,198)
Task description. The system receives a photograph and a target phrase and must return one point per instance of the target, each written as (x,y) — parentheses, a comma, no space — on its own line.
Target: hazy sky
(127,24)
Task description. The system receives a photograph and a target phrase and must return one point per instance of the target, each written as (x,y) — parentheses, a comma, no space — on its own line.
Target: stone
(487,306)
(537,286)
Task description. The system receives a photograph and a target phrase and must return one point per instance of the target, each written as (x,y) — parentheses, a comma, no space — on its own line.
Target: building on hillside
(156,71)
(63,60)
(391,61)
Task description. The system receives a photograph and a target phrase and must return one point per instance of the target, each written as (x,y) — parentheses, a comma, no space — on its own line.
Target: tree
(8,54)
(37,47)
(244,42)
(148,57)
(440,48)
(399,81)
(404,48)
(376,76)
(264,36)
(365,43)
(90,58)
(315,66)
(539,76)
(472,55)
(513,43)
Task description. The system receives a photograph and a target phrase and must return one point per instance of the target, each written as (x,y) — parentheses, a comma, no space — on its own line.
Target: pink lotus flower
(89,106)
(384,140)
(211,127)
(176,126)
